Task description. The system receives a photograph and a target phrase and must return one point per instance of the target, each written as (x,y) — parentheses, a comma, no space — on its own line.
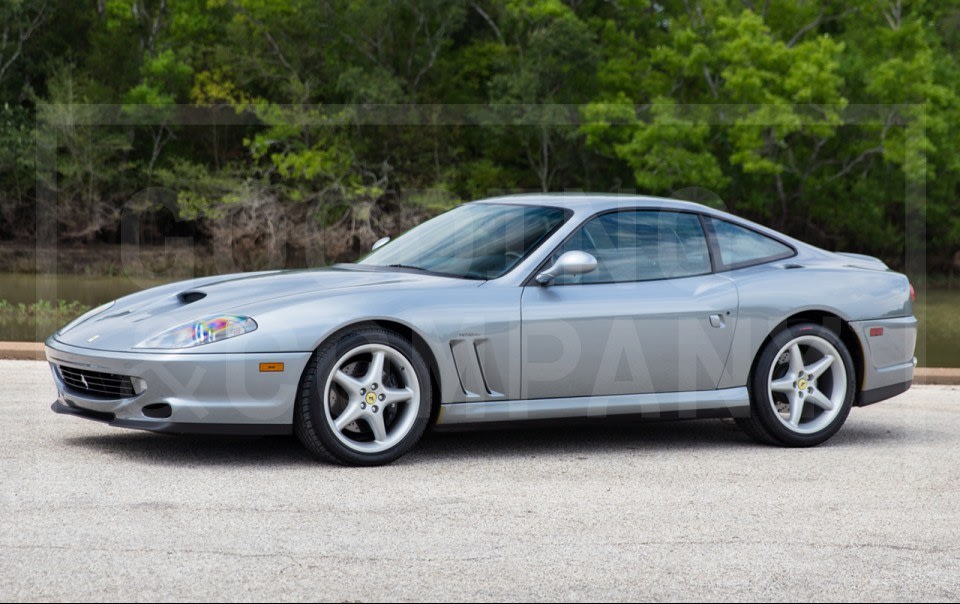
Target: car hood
(142,315)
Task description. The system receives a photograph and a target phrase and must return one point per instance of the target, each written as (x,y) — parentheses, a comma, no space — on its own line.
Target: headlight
(87,315)
(200,332)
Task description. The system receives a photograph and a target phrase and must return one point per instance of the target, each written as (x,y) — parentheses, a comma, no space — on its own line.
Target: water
(938,338)
(938,343)
(89,291)
(92,291)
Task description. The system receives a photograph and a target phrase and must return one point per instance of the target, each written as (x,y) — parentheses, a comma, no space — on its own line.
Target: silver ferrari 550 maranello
(504,310)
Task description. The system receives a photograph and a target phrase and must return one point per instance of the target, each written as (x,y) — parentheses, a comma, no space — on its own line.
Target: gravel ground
(634,512)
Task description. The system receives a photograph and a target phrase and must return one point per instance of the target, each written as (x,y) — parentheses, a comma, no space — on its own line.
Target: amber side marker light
(270,367)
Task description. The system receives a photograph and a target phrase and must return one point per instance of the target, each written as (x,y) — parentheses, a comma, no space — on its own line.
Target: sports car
(511,309)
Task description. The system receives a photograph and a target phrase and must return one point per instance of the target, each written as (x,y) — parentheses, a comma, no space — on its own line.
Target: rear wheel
(365,399)
(802,387)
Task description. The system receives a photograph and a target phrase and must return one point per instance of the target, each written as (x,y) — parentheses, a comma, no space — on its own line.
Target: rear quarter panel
(772,293)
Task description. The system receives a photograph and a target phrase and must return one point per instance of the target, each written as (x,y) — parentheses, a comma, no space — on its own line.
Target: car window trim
(532,277)
(714,243)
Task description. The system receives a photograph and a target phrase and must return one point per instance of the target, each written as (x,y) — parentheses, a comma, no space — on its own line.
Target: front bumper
(173,427)
(199,392)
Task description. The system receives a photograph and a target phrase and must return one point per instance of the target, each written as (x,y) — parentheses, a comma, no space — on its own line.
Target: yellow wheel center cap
(371,398)
(802,384)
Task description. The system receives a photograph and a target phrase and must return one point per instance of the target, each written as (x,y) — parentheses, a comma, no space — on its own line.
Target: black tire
(310,420)
(755,430)
(765,424)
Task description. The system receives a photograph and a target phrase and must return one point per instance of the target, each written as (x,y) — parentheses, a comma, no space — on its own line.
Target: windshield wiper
(433,272)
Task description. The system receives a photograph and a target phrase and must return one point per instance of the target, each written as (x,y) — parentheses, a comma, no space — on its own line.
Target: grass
(25,322)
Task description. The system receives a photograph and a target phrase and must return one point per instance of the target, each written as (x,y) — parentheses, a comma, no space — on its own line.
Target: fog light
(158,411)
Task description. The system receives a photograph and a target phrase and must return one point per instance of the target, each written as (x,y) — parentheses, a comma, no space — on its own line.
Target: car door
(651,318)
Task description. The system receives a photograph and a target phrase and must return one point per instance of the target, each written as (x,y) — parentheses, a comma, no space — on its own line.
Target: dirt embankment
(96,259)
(99,259)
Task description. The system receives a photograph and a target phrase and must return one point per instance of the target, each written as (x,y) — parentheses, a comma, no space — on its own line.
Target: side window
(639,246)
(741,247)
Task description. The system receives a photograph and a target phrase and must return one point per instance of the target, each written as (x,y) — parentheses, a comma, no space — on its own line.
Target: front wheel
(365,399)
(801,389)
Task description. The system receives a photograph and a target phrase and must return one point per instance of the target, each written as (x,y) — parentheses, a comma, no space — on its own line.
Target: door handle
(716,320)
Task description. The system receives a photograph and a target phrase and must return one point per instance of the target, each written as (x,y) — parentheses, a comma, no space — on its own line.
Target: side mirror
(571,263)
(379,243)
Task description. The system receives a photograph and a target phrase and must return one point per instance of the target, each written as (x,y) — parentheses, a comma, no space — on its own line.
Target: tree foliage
(833,120)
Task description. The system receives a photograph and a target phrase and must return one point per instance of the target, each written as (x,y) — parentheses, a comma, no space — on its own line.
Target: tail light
(913,293)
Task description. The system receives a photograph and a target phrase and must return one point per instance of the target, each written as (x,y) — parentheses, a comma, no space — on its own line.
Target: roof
(598,201)
(590,203)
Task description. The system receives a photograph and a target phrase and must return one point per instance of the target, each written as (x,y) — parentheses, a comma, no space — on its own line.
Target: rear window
(740,246)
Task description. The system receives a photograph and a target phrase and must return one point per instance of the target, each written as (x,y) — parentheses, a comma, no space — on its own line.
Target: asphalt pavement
(659,511)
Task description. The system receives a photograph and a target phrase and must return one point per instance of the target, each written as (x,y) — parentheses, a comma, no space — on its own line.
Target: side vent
(480,367)
(190,297)
(460,360)
(469,359)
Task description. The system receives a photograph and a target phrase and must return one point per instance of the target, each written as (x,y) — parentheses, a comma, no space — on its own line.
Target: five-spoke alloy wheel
(802,387)
(365,399)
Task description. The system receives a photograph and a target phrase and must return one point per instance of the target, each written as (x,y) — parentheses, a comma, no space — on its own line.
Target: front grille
(96,384)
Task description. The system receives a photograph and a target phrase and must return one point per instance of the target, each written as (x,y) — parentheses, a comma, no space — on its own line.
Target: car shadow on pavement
(604,437)
(700,436)
(197,450)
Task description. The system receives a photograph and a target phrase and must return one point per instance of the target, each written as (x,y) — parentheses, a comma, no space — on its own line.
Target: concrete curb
(33,351)
(21,351)
(943,376)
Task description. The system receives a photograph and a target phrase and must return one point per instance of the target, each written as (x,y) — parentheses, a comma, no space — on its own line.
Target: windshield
(472,241)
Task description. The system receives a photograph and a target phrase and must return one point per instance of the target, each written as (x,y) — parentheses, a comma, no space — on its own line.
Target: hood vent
(190,297)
